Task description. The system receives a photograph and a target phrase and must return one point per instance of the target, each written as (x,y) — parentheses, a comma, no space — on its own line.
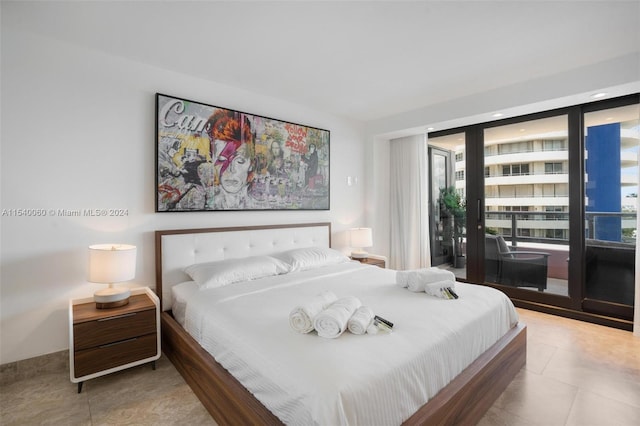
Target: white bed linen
(180,294)
(366,379)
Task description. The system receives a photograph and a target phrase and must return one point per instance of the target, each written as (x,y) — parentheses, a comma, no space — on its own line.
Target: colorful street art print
(211,159)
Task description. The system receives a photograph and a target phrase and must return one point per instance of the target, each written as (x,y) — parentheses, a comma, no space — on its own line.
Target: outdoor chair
(512,267)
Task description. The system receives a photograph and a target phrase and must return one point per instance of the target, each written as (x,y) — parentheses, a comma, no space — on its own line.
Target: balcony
(603,259)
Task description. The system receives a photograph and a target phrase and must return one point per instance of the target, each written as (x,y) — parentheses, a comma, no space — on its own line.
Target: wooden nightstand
(102,341)
(380,261)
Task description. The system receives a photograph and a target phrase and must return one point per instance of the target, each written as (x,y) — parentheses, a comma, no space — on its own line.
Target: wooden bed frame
(463,401)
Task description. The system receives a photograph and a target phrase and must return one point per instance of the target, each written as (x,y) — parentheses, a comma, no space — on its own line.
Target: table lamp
(360,238)
(109,264)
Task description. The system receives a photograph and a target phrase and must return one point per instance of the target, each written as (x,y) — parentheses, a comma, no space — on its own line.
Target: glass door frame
(437,259)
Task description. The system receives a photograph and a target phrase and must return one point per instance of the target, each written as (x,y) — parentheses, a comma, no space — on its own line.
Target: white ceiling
(364,60)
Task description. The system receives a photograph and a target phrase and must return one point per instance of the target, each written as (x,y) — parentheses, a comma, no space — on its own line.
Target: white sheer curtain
(409,177)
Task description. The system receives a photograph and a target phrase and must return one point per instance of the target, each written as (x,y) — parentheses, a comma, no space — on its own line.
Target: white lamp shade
(361,237)
(112,263)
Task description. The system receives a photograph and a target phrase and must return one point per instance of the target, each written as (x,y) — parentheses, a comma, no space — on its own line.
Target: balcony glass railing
(625,220)
(520,221)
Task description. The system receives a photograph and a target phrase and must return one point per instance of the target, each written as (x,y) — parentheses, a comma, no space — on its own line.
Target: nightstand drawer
(117,328)
(111,355)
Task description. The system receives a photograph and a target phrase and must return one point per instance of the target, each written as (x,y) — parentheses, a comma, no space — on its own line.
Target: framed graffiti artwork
(210,158)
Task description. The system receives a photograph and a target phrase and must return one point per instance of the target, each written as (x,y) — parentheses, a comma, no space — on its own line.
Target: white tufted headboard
(177,249)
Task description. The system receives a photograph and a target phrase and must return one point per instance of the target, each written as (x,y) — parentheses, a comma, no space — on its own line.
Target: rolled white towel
(435,289)
(418,279)
(415,281)
(436,274)
(402,278)
(301,317)
(332,321)
(360,320)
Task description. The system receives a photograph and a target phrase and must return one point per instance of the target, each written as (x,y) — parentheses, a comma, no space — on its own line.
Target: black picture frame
(210,158)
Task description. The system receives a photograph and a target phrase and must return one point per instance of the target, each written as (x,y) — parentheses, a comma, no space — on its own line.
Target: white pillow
(301,259)
(223,272)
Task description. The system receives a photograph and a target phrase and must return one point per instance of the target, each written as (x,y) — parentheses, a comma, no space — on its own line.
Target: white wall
(78,133)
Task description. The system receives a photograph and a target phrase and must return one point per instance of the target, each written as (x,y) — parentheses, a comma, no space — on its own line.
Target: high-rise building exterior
(531,176)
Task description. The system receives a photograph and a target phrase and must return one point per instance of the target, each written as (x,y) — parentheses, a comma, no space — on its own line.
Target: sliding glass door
(611,140)
(550,204)
(526,198)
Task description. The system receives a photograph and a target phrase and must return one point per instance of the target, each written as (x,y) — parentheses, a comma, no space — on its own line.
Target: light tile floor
(576,374)
(138,396)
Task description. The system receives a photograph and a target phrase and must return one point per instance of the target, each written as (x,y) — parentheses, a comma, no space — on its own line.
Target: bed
(460,399)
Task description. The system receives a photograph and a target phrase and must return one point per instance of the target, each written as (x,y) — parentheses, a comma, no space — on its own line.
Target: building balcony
(506,223)
(530,178)
(628,159)
(629,180)
(526,157)
(533,201)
